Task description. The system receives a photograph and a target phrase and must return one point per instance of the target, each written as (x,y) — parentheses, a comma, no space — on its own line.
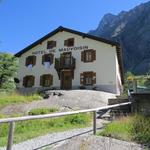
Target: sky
(24,21)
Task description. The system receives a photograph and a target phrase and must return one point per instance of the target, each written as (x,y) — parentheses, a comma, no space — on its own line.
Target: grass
(14,98)
(132,128)
(33,128)
(43,110)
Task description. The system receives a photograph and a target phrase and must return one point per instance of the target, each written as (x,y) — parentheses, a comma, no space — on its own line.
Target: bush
(131,128)
(40,111)
(77,119)
(141,129)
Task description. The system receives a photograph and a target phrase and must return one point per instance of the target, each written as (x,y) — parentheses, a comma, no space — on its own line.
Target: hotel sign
(60,50)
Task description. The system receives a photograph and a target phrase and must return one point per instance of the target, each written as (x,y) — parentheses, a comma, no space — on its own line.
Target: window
(69,42)
(46,80)
(88,55)
(47,60)
(66,59)
(88,78)
(28,81)
(51,44)
(30,61)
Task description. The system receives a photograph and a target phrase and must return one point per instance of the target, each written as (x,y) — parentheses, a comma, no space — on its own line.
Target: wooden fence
(12,121)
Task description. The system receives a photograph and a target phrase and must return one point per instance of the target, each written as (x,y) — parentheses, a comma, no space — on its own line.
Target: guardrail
(12,121)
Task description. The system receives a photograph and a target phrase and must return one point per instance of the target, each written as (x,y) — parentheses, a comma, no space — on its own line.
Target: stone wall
(119,111)
(140,103)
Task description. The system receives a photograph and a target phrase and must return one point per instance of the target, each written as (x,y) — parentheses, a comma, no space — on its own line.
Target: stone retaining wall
(140,103)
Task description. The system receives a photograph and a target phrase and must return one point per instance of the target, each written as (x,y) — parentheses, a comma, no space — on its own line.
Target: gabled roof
(60,29)
(84,35)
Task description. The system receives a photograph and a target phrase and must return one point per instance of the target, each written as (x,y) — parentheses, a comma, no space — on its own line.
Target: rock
(132,29)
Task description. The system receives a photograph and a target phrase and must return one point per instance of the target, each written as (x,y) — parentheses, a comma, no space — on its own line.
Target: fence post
(135,86)
(10,136)
(94,122)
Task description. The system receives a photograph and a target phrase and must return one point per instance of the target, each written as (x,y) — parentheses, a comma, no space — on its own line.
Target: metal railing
(12,121)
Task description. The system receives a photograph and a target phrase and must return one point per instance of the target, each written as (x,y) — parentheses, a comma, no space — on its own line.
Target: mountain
(132,29)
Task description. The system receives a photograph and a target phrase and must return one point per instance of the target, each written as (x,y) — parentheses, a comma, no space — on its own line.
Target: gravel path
(90,142)
(74,99)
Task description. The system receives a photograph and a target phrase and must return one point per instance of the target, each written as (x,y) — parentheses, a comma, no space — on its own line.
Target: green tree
(8,68)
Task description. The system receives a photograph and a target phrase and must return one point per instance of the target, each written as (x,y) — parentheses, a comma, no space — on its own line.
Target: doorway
(66,79)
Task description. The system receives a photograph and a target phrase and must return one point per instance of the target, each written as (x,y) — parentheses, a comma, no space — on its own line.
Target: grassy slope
(15,98)
(132,128)
(30,129)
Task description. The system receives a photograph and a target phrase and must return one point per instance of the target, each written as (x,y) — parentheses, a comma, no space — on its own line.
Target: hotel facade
(68,59)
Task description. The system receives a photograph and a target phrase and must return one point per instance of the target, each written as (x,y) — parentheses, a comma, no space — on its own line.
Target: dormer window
(30,62)
(69,42)
(51,44)
(47,60)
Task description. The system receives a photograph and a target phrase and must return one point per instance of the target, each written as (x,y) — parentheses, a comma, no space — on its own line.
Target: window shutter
(34,60)
(93,55)
(27,61)
(94,77)
(62,60)
(41,80)
(43,59)
(82,78)
(65,42)
(32,79)
(51,44)
(54,43)
(52,58)
(24,81)
(83,56)
(51,80)
(48,44)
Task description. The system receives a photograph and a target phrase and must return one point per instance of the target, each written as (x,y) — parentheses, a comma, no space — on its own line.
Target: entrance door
(66,80)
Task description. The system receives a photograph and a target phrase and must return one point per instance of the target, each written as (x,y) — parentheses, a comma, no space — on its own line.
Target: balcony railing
(61,63)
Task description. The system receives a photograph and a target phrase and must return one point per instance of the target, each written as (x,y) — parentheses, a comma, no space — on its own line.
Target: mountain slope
(132,29)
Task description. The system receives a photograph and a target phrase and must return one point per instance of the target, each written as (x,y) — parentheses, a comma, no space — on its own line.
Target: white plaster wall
(105,64)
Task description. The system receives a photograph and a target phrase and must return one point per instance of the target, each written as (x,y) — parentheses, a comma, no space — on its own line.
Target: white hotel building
(69,59)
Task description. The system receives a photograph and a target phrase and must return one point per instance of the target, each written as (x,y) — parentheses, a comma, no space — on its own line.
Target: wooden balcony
(61,63)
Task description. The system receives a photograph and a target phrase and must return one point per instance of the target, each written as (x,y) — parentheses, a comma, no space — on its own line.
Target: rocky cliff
(132,30)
